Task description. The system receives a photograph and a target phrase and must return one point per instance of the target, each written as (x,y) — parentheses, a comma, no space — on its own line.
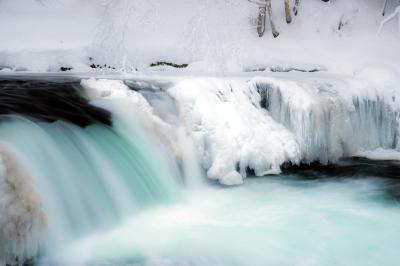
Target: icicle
(326,127)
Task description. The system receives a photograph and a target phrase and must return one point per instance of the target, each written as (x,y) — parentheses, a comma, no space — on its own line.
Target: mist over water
(283,220)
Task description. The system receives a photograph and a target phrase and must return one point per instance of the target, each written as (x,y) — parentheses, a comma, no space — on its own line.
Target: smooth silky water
(110,200)
(284,220)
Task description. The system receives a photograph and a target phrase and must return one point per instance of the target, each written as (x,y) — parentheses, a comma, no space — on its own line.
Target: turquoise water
(89,179)
(267,221)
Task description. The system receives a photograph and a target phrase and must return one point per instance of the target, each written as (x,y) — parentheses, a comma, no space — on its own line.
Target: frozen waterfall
(262,123)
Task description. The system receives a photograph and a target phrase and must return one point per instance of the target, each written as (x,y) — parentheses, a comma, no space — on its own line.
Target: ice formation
(231,130)
(262,123)
(332,120)
(380,154)
(21,217)
(259,124)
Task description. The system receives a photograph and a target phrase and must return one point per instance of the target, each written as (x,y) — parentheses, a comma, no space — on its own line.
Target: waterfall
(80,161)
(86,179)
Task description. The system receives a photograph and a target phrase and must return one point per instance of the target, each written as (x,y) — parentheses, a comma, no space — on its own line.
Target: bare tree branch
(391,17)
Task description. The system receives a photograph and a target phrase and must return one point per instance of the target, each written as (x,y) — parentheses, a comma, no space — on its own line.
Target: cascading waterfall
(88,178)
(165,108)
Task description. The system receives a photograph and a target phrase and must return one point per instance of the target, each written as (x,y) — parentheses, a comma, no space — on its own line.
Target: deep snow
(212,36)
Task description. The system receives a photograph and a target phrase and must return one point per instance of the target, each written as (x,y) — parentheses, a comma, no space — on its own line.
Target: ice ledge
(380,154)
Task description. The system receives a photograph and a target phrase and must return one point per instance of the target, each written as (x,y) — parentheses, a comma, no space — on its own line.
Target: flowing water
(111,197)
(268,221)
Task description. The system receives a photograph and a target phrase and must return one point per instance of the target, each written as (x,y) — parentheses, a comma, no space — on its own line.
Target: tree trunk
(275,33)
(287,12)
(261,21)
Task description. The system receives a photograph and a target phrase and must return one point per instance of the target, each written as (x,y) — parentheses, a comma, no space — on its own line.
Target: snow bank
(230,129)
(115,89)
(212,36)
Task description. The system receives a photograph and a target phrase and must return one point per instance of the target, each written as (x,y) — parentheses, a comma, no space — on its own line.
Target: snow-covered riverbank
(211,36)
